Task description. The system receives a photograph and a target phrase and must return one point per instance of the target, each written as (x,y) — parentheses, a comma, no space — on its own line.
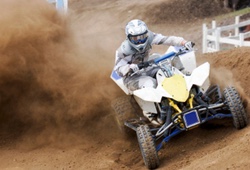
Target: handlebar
(165,56)
(183,50)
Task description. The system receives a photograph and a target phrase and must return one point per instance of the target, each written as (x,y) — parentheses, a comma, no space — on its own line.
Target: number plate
(191,119)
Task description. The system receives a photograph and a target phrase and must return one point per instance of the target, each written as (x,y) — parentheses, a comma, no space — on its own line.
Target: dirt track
(56,91)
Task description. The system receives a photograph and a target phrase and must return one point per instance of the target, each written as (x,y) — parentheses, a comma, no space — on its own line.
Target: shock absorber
(175,106)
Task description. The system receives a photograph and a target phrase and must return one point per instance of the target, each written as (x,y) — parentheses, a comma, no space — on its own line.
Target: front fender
(199,75)
(148,94)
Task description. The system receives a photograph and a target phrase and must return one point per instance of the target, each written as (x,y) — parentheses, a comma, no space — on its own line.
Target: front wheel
(125,108)
(236,107)
(147,147)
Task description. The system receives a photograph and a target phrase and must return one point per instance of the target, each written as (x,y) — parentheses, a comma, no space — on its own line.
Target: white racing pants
(142,80)
(147,78)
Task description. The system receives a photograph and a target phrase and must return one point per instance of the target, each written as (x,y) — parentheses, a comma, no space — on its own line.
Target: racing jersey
(126,54)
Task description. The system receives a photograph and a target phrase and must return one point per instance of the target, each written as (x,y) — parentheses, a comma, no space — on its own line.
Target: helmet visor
(138,39)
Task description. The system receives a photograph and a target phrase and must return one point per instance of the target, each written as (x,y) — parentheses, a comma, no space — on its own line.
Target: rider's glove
(134,67)
(143,64)
(189,45)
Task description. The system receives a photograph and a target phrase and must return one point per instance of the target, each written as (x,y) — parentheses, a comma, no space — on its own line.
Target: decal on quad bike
(115,76)
(176,87)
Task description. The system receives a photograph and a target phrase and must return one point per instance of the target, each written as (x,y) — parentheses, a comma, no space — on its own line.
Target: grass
(234,14)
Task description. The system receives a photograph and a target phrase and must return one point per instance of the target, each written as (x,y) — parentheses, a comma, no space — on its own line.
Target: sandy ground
(56,91)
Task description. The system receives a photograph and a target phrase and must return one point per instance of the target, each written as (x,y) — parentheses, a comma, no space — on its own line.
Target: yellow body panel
(176,87)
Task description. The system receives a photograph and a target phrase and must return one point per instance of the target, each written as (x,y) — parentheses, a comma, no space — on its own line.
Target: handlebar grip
(130,72)
(143,64)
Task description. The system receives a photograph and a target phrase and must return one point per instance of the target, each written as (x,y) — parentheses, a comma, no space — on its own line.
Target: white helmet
(137,34)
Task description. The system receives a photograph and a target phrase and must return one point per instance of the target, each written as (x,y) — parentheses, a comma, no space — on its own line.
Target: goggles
(138,39)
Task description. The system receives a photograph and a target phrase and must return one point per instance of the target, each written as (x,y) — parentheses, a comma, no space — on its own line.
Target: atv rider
(133,54)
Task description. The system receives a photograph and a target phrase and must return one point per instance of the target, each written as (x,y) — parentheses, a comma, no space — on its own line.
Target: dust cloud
(49,86)
(229,68)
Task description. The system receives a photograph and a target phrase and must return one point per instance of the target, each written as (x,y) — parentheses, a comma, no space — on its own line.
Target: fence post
(237,21)
(204,39)
(241,38)
(236,30)
(213,33)
(217,39)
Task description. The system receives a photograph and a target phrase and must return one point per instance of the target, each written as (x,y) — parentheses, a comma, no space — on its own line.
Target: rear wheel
(235,105)
(147,146)
(125,108)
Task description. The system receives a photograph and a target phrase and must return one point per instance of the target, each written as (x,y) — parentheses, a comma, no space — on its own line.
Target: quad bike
(181,101)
